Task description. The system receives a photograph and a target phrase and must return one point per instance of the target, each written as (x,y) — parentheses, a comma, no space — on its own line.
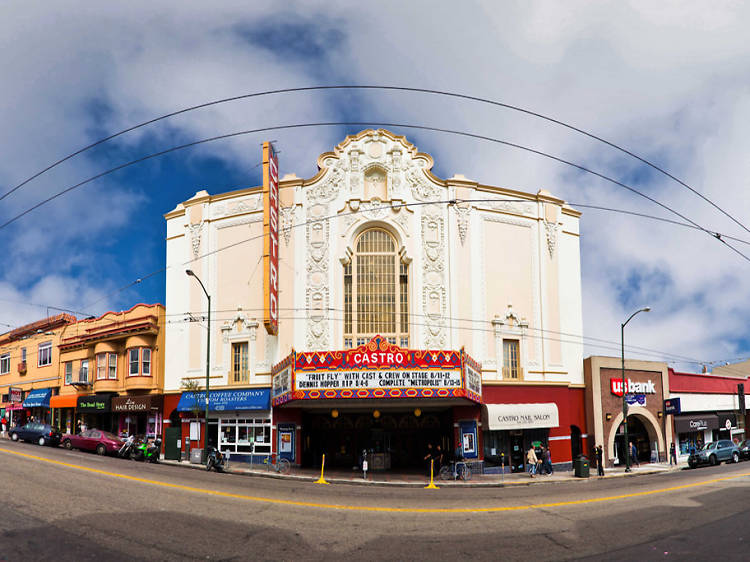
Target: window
(240,435)
(510,359)
(45,354)
(146,362)
(239,362)
(376,291)
(4,363)
(133,361)
(68,372)
(101,366)
(23,355)
(83,373)
(139,362)
(112,359)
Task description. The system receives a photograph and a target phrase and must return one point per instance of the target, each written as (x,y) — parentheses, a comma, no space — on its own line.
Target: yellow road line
(374,508)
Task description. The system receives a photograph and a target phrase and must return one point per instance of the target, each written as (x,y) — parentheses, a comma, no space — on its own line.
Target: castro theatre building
(412,310)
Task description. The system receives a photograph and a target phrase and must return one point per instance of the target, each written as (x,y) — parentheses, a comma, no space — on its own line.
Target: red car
(102,442)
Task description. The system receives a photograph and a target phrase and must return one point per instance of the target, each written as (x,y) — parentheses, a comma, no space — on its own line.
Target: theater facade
(402,310)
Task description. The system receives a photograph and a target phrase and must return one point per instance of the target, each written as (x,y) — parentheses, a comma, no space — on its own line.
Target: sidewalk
(416,480)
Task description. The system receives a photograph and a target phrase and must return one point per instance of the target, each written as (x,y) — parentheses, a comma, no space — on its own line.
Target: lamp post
(208,355)
(624,386)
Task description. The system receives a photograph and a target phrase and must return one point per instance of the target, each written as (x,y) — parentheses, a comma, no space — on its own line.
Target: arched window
(376,291)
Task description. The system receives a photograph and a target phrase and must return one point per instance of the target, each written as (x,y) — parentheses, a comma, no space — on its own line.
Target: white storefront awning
(521,416)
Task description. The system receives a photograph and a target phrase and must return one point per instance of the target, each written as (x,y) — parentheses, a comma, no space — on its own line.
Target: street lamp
(208,354)
(624,386)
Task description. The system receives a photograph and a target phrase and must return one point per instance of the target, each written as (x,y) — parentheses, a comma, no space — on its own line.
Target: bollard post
(502,468)
(322,480)
(431,485)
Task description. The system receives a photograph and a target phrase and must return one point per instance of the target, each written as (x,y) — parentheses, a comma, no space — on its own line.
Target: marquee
(378,370)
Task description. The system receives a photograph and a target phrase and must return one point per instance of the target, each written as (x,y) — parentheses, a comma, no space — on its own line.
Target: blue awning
(226,400)
(38,398)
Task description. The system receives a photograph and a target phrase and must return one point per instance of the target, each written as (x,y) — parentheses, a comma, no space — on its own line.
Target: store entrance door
(638,435)
(516,451)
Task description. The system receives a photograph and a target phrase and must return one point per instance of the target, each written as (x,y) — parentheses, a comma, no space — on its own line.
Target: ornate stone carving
(245,206)
(317,291)
(287,222)
(195,237)
(550,229)
(327,189)
(421,188)
(433,268)
(513,207)
(462,218)
(374,209)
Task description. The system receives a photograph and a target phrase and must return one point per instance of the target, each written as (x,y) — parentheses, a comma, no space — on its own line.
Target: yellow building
(29,373)
(111,372)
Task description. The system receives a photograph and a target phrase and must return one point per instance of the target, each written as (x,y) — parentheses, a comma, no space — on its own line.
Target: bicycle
(282,466)
(456,470)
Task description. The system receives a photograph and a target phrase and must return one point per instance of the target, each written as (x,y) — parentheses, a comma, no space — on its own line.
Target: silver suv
(715,452)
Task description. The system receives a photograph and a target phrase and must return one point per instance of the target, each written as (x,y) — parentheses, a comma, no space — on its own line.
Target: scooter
(215,460)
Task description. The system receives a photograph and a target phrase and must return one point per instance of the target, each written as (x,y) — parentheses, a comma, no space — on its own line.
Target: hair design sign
(378,370)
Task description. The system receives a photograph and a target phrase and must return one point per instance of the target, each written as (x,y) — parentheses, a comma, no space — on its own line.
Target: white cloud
(667,80)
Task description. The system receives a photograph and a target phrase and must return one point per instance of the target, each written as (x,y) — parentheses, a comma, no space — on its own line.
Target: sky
(670,81)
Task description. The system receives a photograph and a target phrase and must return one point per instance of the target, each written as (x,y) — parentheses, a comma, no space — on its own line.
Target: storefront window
(689,441)
(239,435)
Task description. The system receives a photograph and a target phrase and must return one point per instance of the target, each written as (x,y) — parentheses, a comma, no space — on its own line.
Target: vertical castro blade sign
(270,239)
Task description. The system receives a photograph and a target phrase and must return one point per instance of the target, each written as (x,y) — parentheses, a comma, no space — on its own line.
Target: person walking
(531,460)
(599,452)
(634,455)
(547,456)
(438,458)
(672,454)
(429,457)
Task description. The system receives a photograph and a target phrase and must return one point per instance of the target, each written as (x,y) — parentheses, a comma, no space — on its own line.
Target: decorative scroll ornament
(195,237)
(551,231)
(287,222)
(462,218)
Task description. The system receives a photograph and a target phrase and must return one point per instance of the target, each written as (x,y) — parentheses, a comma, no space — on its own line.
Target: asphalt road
(68,505)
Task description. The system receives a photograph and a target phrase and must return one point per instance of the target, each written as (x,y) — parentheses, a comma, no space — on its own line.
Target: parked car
(41,433)
(715,452)
(103,442)
(744,448)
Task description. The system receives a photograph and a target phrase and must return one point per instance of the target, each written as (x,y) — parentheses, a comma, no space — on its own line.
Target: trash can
(196,456)
(581,467)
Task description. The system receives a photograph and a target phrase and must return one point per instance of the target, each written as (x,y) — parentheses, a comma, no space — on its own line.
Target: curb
(441,483)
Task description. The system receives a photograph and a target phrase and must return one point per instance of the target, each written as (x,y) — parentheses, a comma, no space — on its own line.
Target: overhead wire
(431,91)
(381,124)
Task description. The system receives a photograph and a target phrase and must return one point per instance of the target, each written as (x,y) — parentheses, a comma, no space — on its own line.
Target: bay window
(139,362)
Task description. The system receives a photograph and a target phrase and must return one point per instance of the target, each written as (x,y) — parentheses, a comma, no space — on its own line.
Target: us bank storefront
(379,398)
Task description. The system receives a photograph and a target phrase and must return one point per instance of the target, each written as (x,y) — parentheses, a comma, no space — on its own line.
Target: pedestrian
(428,458)
(599,452)
(672,454)
(78,427)
(531,461)
(438,458)
(4,426)
(634,455)
(548,461)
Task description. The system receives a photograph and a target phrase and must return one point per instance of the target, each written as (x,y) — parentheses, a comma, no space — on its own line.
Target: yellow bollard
(322,480)
(431,485)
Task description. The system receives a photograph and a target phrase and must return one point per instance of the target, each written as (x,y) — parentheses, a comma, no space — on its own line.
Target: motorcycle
(126,451)
(215,460)
(147,451)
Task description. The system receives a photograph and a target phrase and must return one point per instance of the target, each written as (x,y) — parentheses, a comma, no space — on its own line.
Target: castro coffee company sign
(648,387)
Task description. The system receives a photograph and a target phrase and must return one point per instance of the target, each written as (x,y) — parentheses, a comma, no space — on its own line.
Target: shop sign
(15,394)
(270,239)
(688,424)
(226,400)
(647,387)
(144,403)
(727,421)
(378,379)
(282,382)
(672,406)
(93,404)
(377,369)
